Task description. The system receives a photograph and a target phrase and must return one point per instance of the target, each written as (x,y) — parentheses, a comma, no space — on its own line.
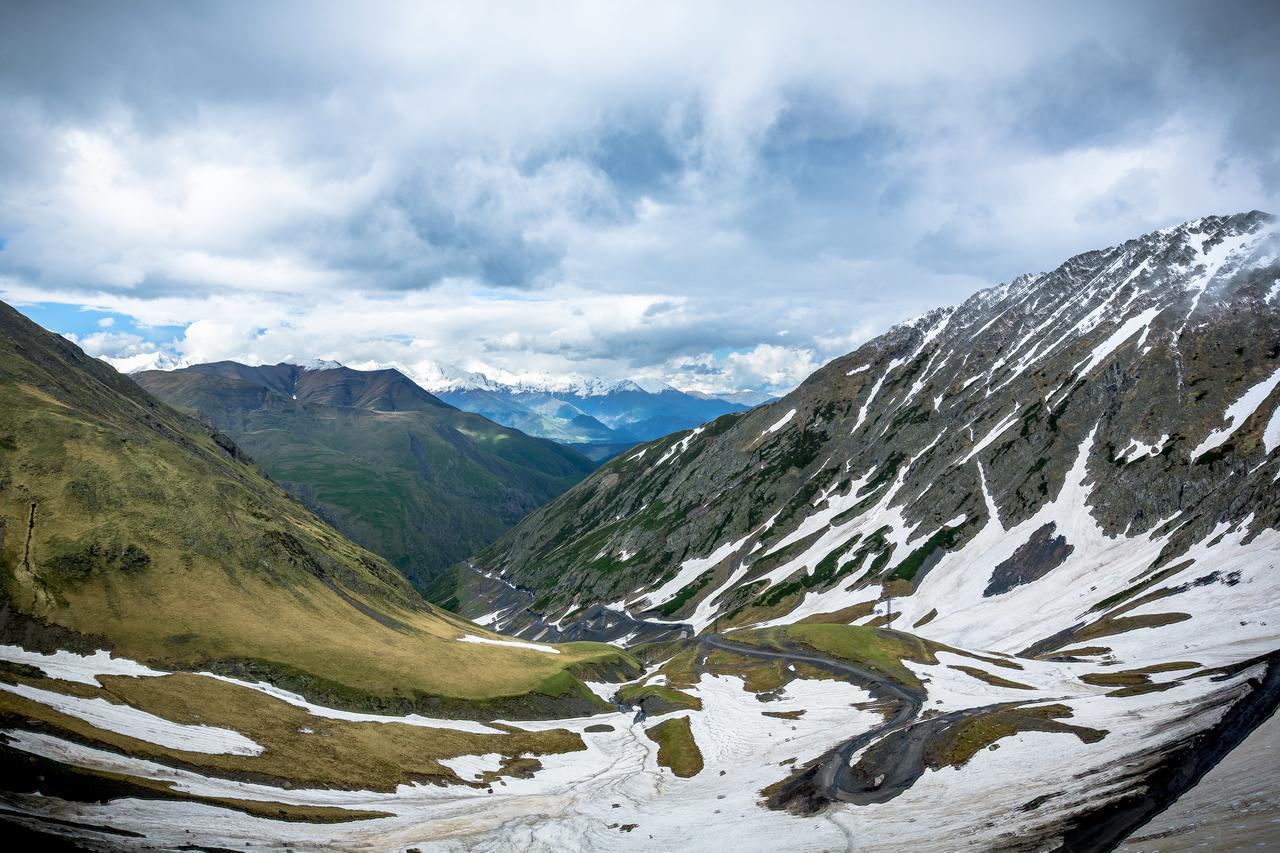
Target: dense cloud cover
(721,195)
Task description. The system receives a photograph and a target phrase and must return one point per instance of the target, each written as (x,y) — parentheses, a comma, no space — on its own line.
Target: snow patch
(1142,322)
(1138,449)
(1237,413)
(994,434)
(680,446)
(82,669)
(471,767)
(131,722)
(515,644)
(781,422)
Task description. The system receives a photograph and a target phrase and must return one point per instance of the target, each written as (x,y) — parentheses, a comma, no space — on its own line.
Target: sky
(722,196)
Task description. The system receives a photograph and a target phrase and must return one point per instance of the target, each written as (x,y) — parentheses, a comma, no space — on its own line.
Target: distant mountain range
(599,418)
(390,465)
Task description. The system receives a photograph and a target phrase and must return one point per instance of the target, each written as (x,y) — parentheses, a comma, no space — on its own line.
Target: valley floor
(1009,754)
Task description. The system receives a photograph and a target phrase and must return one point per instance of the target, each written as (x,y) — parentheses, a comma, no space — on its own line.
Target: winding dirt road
(878,777)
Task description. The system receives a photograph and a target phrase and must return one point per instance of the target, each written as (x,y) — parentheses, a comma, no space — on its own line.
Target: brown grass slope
(127,525)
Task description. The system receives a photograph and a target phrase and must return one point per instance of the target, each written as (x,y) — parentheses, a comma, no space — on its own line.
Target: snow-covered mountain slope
(1078,468)
(1060,445)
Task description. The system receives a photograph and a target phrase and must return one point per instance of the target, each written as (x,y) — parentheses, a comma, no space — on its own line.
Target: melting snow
(781,422)
(1271,435)
(515,644)
(679,447)
(82,669)
(469,767)
(994,434)
(1137,449)
(875,389)
(1238,412)
(1119,336)
(129,721)
(690,569)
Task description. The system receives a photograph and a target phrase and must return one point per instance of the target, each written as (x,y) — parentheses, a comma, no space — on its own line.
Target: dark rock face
(1034,559)
(1122,363)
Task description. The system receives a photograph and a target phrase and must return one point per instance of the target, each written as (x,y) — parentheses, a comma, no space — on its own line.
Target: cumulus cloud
(638,189)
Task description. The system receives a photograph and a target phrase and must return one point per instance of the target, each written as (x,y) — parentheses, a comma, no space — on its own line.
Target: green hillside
(127,525)
(401,473)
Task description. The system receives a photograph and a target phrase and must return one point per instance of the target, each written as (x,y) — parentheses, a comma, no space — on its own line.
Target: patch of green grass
(886,472)
(784,715)
(825,573)
(760,675)
(927,618)
(1140,677)
(1139,587)
(677,750)
(945,538)
(989,678)
(876,649)
(1107,627)
(667,698)
(682,669)
(966,738)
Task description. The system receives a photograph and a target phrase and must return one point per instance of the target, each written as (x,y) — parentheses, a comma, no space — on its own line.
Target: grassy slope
(424,487)
(152,536)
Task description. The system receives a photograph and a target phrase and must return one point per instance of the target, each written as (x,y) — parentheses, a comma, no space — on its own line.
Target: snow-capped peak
(138,362)
(321,364)
(438,377)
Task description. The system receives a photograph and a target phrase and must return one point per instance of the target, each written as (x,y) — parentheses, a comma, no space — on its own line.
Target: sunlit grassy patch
(300,749)
(959,743)
(878,650)
(658,699)
(761,675)
(989,678)
(677,750)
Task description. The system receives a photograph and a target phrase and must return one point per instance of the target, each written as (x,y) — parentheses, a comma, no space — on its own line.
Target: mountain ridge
(391,465)
(1168,277)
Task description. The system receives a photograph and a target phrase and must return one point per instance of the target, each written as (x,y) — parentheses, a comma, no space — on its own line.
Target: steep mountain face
(1073,477)
(968,462)
(128,526)
(390,465)
(596,417)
